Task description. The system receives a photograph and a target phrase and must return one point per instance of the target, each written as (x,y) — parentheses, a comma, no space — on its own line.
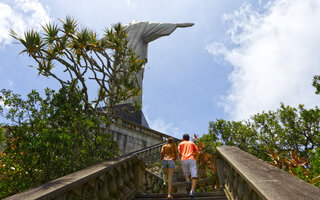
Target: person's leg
(170,176)
(194,176)
(186,171)
(194,184)
(165,175)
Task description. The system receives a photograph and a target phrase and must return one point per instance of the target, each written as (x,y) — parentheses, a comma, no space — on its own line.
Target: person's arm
(175,155)
(162,153)
(179,150)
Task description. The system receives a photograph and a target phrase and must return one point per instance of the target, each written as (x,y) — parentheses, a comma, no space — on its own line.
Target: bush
(289,138)
(49,137)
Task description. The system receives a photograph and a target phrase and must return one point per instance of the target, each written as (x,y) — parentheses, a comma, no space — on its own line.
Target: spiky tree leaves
(109,63)
(316,83)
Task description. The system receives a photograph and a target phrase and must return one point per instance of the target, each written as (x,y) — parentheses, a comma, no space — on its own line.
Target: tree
(286,129)
(49,137)
(109,63)
(316,83)
(280,132)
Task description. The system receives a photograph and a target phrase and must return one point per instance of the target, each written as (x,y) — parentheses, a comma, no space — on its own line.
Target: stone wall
(132,137)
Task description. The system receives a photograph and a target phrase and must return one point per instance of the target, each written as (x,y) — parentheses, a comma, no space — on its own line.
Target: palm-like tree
(109,63)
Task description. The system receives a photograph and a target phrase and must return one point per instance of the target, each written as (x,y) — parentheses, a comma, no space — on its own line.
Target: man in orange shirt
(187,149)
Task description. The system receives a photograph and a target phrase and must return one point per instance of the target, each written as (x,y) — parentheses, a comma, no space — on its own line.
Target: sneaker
(188,186)
(164,187)
(169,196)
(192,194)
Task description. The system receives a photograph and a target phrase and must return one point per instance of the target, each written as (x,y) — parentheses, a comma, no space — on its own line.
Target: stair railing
(121,122)
(243,176)
(151,182)
(148,152)
(119,178)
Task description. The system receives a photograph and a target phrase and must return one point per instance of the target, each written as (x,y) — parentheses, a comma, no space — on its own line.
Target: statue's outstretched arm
(183,25)
(153,30)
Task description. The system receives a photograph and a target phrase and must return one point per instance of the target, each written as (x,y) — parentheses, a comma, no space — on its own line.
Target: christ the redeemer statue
(140,33)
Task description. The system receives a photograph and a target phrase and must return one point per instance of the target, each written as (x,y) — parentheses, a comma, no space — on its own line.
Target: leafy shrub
(49,138)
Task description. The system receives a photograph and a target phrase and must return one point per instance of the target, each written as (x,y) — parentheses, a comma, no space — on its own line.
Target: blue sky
(240,57)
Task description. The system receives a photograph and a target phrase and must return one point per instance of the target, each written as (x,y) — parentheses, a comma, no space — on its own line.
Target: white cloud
(10,83)
(160,125)
(131,4)
(274,56)
(164,127)
(20,15)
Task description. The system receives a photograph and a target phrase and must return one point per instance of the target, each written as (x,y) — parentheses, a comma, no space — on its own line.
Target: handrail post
(221,173)
(138,176)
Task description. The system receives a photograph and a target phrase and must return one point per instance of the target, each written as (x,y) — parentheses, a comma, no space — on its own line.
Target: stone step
(211,195)
(178,174)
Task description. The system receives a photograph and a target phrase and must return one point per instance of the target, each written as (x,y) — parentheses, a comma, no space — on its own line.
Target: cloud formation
(10,82)
(163,127)
(20,15)
(274,54)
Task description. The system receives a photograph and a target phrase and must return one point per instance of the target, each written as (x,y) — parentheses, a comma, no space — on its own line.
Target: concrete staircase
(204,187)
(220,195)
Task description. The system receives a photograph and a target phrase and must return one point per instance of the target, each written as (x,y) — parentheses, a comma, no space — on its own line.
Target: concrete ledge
(69,182)
(266,180)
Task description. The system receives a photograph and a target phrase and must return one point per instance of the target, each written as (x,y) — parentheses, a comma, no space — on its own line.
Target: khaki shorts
(189,167)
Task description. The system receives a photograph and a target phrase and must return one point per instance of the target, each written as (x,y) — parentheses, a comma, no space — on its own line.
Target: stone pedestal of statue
(128,112)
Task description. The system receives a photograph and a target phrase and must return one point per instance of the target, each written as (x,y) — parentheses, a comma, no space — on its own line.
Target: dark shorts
(168,164)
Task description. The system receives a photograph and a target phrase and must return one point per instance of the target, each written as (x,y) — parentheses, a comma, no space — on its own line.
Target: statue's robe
(140,33)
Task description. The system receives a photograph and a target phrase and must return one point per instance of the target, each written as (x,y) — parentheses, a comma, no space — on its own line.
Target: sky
(240,58)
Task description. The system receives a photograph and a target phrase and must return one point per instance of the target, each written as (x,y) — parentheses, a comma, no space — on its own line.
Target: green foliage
(316,83)
(3,139)
(205,159)
(307,169)
(50,137)
(314,169)
(61,133)
(283,131)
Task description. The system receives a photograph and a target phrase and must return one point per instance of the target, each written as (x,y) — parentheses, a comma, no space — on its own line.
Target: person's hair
(170,140)
(172,145)
(186,137)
